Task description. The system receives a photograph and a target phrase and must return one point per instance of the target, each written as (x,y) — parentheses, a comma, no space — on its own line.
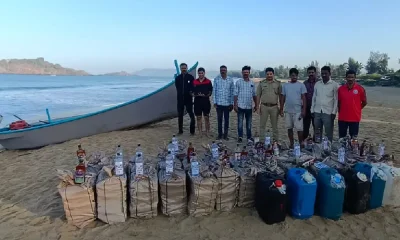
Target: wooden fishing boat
(156,106)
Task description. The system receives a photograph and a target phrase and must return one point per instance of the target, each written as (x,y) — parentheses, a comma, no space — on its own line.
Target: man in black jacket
(184,85)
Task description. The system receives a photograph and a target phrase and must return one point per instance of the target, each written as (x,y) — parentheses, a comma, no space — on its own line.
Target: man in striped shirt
(245,94)
(223,88)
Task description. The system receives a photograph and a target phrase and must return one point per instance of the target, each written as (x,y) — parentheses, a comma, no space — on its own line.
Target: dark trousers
(307,121)
(244,113)
(223,113)
(181,112)
(352,126)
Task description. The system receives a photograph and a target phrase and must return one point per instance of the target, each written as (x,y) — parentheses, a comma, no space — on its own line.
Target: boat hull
(156,106)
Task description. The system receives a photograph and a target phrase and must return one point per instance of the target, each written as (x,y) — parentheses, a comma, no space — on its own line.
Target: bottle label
(276,151)
(297,152)
(341,155)
(172,150)
(169,166)
(256,139)
(237,156)
(119,169)
(381,150)
(137,154)
(326,145)
(267,141)
(320,165)
(79,179)
(139,168)
(195,169)
(215,153)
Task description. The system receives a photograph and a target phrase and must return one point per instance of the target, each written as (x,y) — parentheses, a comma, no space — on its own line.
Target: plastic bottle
(214,150)
(296,151)
(169,163)
(267,140)
(341,154)
(119,164)
(325,144)
(139,164)
(382,149)
(171,149)
(139,150)
(119,150)
(238,152)
(276,148)
(318,135)
(175,143)
(194,166)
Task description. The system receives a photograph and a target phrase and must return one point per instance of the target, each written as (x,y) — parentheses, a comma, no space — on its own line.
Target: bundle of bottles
(316,175)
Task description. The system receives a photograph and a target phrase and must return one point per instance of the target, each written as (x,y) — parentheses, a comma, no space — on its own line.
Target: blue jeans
(247,113)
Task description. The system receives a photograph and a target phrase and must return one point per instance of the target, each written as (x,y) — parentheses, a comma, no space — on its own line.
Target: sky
(106,36)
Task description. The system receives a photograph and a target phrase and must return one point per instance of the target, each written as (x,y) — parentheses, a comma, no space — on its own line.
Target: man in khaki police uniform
(268,94)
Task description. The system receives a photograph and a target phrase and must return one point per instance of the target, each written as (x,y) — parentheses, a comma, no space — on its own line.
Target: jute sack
(111,197)
(173,192)
(228,184)
(143,192)
(203,193)
(78,199)
(394,199)
(247,187)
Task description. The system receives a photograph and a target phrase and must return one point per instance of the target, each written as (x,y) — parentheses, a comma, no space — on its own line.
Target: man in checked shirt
(245,94)
(222,94)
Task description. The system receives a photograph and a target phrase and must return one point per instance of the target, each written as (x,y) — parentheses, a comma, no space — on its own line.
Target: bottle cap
(278,183)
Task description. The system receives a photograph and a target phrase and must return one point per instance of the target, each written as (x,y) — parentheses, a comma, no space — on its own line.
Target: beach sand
(31,208)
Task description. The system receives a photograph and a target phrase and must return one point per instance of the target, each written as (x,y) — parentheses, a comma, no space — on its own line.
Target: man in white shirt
(324,103)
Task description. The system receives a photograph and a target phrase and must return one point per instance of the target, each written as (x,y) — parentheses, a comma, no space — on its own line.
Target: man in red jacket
(352,98)
(202,90)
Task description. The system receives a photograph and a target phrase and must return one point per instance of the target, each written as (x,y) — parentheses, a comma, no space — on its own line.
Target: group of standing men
(300,104)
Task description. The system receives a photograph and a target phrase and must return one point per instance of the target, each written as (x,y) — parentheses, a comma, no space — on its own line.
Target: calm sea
(28,96)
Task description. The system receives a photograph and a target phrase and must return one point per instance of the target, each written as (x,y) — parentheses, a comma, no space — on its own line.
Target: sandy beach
(31,208)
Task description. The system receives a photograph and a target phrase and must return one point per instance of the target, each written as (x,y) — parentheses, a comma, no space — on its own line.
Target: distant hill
(36,66)
(169,72)
(122,73)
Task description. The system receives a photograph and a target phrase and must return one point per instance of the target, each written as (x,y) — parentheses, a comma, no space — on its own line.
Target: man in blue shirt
(294,101)
(245,94)
(222,94)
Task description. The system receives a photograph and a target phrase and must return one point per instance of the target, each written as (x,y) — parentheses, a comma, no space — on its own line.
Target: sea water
(28,96)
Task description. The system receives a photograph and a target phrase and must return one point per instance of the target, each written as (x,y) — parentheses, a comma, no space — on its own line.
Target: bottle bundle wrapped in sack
(78,199)
(247,186)
(143,190)
(228,184)
(203,191)
(173,192)
(111,196)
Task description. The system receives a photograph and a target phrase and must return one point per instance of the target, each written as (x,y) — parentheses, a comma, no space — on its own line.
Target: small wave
(112,105)
(40,88)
